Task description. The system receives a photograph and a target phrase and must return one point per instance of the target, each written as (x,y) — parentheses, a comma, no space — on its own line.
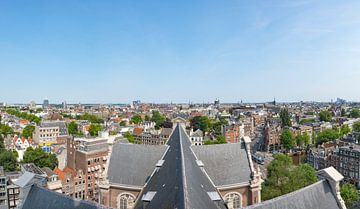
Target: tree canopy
(24,115)
(73,129)
(355,113)
(129,137)
(284,177)
(287,139)
(7,158)
(356,127)
(90,118)
(136,119)
(219,140)
(327,135)
(158,119)
(40,158)
(302,139)
(349,194)
(325,116)
(94,129)
(28,131)
(201,122)
(285,117)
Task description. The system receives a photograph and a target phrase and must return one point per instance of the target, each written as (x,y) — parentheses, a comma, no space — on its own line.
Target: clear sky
(179,50)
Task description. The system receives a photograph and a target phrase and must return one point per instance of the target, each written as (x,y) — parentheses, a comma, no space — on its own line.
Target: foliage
(6,130)
(302,139)
(147,118)
(167,123)
(94,129)
(219,140)
(356,126)
(201,122)
(73,128)
(28,131)
(284,177)
(24,115)
(355,113)
(216,126)
(158,119)
(129,137)
(136,119)
(325,116)
(327,135)
(285,117)
(123,123)
(8,160)
(343,112)
(349,194)
(90,118)
(303,121)
(287,139)
(40,158)
(344,130)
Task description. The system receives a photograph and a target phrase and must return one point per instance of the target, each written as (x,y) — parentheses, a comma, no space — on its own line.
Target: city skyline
(179,51)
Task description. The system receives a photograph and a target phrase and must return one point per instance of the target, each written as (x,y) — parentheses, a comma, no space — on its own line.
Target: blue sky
(179,51)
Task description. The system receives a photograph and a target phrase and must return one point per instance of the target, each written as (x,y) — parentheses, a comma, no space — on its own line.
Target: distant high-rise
(217,102)
(64,106)
(45,103)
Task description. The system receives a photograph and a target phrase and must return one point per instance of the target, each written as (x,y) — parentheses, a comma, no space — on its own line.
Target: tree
(129,137)
(136,119)
(355,113)
(356,126)
(147,118)
(343,112)
(94,129)
(201,122)
(284,177)
(6,130)
(123,123)
(73,128)
(302,139)
(327,135)
(40,158)
(349,194)
(8,160)
(219,140)
(28,131)
(285,117)
(158,119)
(90,118)
(287,139)
(325,116)
(344,130)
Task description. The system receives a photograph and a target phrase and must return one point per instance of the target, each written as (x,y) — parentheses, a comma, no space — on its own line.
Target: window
(126,201)
(233,200)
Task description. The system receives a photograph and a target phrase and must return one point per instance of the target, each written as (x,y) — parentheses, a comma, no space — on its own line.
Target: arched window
(126,201)
(233,200)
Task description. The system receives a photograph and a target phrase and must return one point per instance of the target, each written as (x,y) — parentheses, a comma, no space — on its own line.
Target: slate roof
(25,179)
(132,164)
(41,198)
(226,164)
(315,196)
(179,182)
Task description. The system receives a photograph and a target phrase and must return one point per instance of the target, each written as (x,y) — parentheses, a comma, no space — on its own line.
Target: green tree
(349,194)
(8,160)
(158,119)
(147,118)
(285,117)
(325,116)
(40,158)
(287,139)
(123,123)
(129,137)
(355,113)
(302,139)
(344,130)
(94,129)
(356,126)
(136,119)
(216,126)
(73,128)
(201,122)
(284,177)
(343,112)
(6,130)
(327,135)
(90,118)
(28,131)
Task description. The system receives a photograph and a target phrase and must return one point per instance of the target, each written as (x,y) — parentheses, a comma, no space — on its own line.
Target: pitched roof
(25,179)
(226,164)
(317,196)
(197,133)
(179,182)
(132,164)
(39,197)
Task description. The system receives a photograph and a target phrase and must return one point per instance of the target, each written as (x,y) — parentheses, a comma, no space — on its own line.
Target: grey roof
(166,131)
(41,198)
(25,179)
(317,196)
(132,164)
(197,133)
(179,182)
(48,171)
(61,124)
(226,164)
